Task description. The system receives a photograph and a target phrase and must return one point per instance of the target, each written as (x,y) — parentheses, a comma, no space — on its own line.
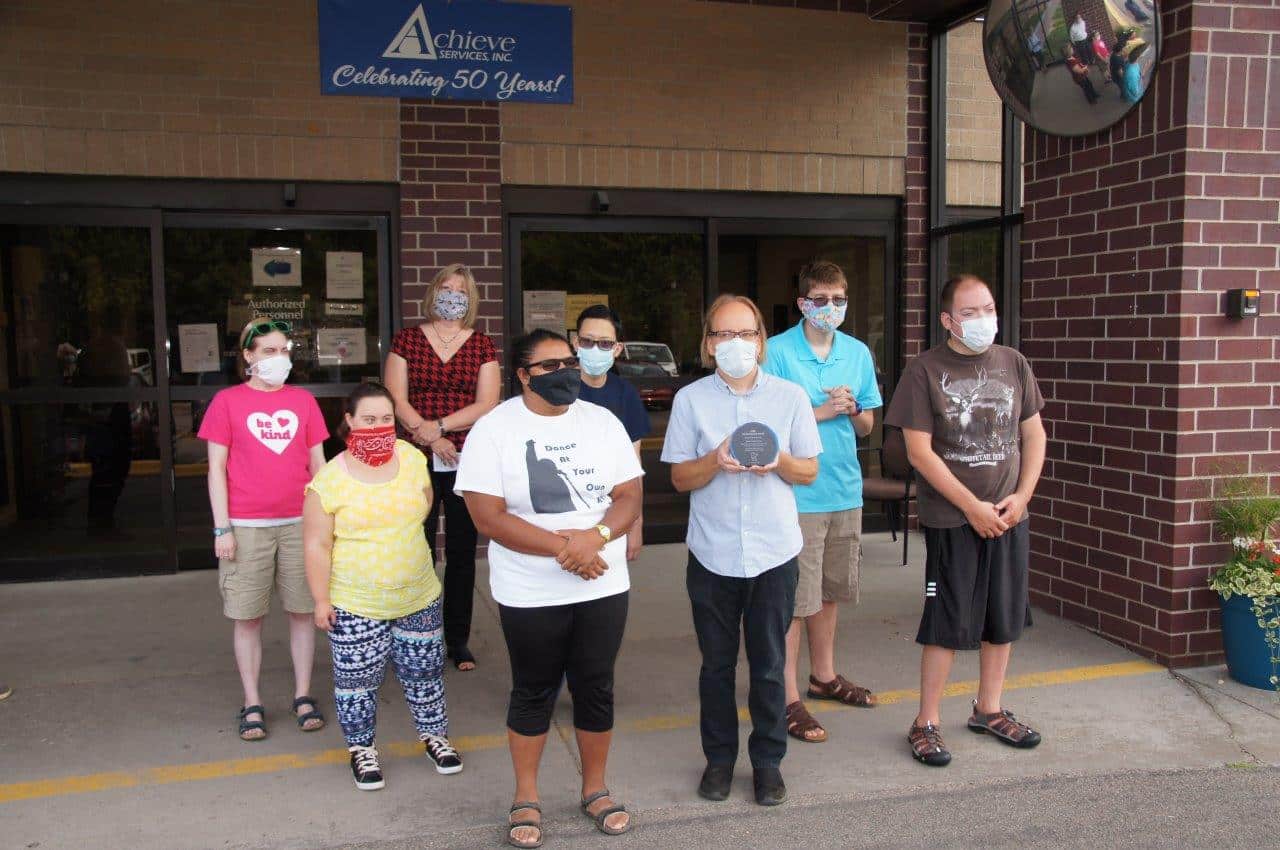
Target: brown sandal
(800,723)
(843,691)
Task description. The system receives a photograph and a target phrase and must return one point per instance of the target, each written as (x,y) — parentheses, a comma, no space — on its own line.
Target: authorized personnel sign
(461,50)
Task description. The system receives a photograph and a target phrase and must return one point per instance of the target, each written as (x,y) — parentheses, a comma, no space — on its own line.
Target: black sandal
(313,714)
(513,825)
(601,816)
(462,655)
(247,726)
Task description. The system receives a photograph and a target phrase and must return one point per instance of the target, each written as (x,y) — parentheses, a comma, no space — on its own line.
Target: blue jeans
(726,611)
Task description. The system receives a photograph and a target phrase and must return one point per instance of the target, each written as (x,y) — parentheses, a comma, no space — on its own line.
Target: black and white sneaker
(442,754)
(365,768)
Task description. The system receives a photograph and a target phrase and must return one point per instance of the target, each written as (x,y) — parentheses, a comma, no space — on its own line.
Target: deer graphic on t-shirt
(979,411)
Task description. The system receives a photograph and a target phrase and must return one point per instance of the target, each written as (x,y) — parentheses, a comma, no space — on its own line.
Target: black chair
(895,486)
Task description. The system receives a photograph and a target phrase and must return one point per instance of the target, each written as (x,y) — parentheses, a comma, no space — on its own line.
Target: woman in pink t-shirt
(265,443)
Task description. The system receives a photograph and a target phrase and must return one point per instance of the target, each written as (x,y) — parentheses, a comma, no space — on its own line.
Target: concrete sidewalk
(121,729)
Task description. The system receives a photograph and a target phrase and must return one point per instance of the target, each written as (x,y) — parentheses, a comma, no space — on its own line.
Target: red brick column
(914,292)
(450,202)
(1131,236)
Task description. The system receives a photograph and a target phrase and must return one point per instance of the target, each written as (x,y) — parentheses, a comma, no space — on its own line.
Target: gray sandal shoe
(604,814)
(513,825)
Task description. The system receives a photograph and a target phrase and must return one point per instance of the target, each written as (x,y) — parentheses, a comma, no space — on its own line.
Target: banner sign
(459,49)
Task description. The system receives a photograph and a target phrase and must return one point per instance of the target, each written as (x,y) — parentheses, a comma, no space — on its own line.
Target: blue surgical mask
(594,361)
(976,334)
(737,357)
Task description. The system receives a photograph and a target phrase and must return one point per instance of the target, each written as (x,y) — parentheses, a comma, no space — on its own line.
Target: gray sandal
(512,826)
(601,816)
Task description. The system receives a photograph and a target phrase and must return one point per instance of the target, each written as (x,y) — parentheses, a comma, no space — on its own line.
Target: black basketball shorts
(975,590)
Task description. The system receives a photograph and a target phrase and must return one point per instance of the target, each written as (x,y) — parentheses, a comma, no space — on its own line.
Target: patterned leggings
(361,647)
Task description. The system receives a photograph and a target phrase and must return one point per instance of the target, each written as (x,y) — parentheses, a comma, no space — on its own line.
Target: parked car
(656,353)
(654,384)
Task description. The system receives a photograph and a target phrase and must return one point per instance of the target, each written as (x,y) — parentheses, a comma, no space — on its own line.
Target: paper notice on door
(344,274)
(198,348)
(341,346)
(544,309)
(277,266)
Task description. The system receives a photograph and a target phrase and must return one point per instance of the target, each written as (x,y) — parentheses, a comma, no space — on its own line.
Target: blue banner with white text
(456,49)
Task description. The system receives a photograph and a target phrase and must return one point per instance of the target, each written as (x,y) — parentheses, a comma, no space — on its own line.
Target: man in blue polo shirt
(838,374)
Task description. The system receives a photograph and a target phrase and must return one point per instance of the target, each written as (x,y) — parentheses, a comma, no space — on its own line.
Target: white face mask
(272,370)
(736,357)
(976,334)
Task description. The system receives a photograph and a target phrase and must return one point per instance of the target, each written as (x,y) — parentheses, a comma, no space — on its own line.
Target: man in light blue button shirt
(744,535)
(838,374)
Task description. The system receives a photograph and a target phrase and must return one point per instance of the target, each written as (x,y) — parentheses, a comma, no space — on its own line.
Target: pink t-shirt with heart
(269,437)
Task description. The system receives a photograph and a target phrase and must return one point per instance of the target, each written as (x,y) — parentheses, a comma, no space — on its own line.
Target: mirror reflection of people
(1080,39)
(744,537)
(1035,45)
(970,415)
(1101,53)
(560,578)
(1134,8)
(1133,87)
(1116,63)
(377,596)
(444,375)
(265,441)
(838,374)
(599,344)
(1080,75)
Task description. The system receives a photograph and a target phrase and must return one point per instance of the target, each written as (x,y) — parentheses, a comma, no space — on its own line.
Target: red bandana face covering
(372,446)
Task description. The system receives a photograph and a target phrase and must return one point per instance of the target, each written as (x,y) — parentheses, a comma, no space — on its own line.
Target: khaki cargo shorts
(265,557)
(829,560)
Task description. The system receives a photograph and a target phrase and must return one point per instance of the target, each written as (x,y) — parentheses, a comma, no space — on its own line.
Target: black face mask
(558,388)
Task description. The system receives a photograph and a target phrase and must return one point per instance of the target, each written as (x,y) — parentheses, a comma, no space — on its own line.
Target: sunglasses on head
(554,364)
(264,328)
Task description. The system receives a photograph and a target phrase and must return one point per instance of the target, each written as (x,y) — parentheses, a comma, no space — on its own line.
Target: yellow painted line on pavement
(170,774)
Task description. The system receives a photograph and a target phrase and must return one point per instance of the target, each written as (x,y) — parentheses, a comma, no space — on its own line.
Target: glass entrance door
(118,326)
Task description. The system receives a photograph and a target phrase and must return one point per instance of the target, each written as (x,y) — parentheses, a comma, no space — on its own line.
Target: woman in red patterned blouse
(444,375)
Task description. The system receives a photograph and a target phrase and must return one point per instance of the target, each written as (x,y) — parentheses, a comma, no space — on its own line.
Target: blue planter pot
(1245,644)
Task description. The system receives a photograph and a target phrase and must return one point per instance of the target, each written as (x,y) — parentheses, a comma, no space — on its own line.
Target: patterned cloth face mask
(451,306)
(372,446)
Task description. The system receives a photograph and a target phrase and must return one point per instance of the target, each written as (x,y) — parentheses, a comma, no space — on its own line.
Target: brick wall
(450,202)
(914,294)
(180,89)
(1131,236)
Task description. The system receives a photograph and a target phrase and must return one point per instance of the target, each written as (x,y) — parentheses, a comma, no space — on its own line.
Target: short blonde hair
(724,301)
(473,292)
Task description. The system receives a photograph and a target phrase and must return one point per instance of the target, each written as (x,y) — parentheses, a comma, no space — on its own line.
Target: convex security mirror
(1071,67)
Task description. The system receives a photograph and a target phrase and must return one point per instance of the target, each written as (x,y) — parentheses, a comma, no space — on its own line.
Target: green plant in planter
(1246,514)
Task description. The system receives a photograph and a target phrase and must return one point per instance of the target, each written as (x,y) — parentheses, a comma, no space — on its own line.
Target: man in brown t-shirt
(970,413)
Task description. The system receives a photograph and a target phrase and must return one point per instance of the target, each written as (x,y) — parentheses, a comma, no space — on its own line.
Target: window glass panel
(332,302)
(78,306)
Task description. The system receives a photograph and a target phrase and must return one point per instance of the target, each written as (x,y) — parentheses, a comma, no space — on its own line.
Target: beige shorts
(265,557)
(829,560)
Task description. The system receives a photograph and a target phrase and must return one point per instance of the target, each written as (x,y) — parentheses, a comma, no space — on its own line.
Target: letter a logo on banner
(414,41)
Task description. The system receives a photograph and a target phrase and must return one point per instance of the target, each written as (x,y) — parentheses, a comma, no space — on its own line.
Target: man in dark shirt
(598,343)
(970,415)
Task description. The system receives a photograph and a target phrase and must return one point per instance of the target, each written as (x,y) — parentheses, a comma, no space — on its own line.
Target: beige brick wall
(973,122)
(687,95)
(171,88)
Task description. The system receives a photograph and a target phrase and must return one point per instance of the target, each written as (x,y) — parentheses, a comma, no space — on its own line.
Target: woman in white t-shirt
(548,478)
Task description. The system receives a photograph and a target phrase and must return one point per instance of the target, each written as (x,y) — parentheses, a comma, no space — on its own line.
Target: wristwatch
(604,532)
(219,532)
(443,430)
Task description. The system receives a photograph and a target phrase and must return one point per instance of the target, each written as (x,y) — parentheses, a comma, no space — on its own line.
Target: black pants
(759,609)
(459,556)
(547,645)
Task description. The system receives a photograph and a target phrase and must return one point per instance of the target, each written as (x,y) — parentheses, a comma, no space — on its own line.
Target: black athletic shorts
(975,590)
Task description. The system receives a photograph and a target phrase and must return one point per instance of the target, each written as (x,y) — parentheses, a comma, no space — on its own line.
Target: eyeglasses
(822,300)
(750,336)
(264,328)
(602,344)
(555,364)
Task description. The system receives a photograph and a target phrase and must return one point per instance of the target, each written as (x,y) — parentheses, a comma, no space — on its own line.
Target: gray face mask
(451,305)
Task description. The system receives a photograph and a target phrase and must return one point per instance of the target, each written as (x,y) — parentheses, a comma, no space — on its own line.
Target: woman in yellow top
(375,590)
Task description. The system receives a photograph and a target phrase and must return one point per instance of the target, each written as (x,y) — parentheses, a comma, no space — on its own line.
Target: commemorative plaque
(753,444)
